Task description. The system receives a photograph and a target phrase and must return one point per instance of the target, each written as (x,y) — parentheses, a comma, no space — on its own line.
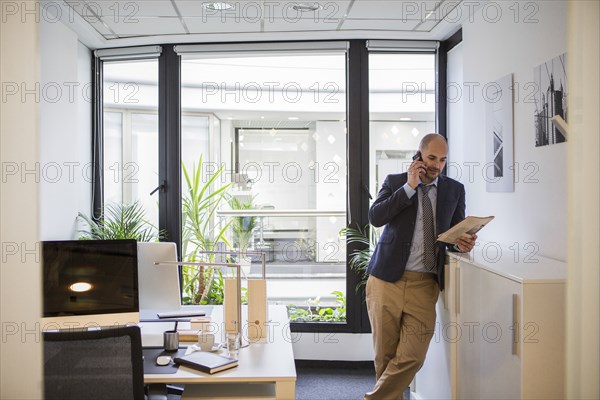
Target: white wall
(332,346)
(493,47)
(65,169)
(84,125)
(20,278)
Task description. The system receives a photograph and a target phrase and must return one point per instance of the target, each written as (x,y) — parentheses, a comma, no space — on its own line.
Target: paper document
(470,225)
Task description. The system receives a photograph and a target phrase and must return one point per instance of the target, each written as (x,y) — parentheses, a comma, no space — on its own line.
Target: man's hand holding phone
(415,170)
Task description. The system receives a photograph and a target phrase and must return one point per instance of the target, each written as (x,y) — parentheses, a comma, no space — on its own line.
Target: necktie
(428,230)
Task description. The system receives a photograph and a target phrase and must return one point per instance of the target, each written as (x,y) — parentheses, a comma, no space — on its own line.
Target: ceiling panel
(380,24)
(426,26)
(147,26)
(126,18)
(309,24)
(102,29)
(394,9)
(193,8)
(329,10)
(216,25)
(90,14)
(252,10)
(128,9)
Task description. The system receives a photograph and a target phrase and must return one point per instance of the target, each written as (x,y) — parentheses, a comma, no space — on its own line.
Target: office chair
(98,364)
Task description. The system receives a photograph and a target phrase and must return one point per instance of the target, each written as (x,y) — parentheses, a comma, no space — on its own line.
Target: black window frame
(357,124)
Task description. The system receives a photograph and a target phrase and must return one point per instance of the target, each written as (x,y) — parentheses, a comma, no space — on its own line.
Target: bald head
(434,150)
(436,138)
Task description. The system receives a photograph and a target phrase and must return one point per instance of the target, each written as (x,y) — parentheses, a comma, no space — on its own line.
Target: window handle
(366,189)
(160,187)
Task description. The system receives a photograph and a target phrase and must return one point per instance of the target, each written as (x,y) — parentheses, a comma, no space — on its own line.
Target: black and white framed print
(550,97)
(499,172)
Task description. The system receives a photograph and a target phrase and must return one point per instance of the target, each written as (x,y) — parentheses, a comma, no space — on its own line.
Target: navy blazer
(398,213)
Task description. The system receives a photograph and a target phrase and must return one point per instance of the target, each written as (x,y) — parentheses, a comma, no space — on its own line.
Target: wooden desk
(262,365)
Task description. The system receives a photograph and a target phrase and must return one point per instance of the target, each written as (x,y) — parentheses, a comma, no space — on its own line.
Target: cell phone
(417,156)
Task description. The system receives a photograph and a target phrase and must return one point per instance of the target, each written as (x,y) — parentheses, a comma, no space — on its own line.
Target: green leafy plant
(120,221)
(242,227)
(307,248)
(313,312)
(201,233)
(367,238)
(216,293)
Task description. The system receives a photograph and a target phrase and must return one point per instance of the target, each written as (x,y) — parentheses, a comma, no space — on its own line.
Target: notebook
(206,362)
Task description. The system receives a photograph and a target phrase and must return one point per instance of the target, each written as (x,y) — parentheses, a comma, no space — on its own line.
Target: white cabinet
(500,331)
(492,358)
(468,325)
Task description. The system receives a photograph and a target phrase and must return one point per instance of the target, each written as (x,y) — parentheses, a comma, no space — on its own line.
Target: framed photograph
(499,173)
(550,97)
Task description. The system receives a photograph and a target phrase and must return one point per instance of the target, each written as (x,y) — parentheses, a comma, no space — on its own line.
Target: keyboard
(181,314)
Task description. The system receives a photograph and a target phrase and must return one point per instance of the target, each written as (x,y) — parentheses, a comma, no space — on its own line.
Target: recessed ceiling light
(405,119)
(293,118)
(217,6)
(302,7)
(80,287)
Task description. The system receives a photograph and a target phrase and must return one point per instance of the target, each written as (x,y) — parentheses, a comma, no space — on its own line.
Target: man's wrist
(409,190)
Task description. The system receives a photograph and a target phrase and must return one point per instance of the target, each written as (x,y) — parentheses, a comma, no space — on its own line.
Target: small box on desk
(201,324)
(188,335)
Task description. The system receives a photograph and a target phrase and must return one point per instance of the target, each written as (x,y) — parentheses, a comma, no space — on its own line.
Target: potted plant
(366,238)
(242,228)
(200,232)
(120,221)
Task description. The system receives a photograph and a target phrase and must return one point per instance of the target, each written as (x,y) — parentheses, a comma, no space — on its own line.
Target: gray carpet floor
(333,382)
(322,380)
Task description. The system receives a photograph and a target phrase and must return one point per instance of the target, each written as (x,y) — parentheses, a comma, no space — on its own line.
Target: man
(406,270)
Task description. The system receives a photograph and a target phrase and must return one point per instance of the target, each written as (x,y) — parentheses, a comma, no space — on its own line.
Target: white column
(583,56)
(20,277)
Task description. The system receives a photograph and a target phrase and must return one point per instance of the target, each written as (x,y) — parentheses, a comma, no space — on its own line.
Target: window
(131,134)
(278,144)
(265,128)
(402,110)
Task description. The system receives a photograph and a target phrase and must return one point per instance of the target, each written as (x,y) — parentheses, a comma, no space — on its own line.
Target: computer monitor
(90,283)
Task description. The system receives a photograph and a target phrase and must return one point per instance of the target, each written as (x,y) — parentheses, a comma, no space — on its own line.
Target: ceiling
(116,23)
(122,23)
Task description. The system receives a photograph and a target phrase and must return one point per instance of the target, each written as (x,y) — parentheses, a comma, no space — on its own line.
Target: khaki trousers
(402,316)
